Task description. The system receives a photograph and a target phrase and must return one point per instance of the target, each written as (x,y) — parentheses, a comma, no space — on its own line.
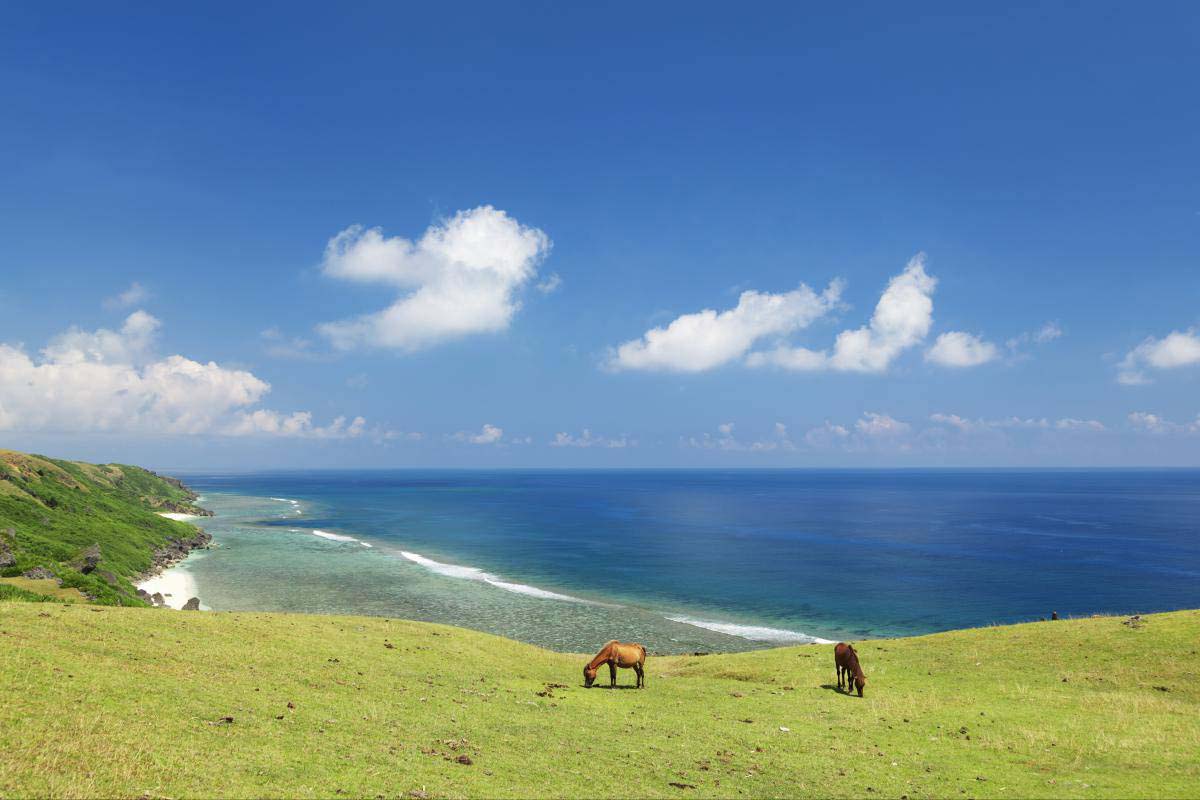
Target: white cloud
(708,339)
(278,345)
(875,425)
(726,440)
(135,294)
(1153,423)
(460,278)
(110,381)
(1070,424)
(1048,333)
(298,424)
(1043,335)
(901,320)
(826,435)
(551,284)
(488,434)
(587,439)
(1014,423)
(1176,349)
(131,344)
(961,349)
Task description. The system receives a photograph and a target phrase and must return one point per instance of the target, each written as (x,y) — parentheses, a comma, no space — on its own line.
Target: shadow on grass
(833,688)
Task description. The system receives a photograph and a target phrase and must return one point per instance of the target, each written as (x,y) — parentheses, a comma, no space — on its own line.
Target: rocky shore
(175,551)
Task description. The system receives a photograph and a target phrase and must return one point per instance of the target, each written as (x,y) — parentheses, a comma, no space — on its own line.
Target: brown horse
(617,654)
(845,659)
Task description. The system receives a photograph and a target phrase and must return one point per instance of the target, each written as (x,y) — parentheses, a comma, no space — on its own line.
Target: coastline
(166,579)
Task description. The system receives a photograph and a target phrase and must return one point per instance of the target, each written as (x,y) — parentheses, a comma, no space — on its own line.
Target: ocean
(701,560)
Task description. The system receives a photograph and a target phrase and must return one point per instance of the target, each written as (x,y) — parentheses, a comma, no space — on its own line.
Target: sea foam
(338,537)
(476,574)
(755,633)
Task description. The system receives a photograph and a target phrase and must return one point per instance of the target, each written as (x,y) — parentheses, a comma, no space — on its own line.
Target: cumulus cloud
(551,284)
(1146,422)
(902,319)
(460,278)
(1176,349)
(135,294)
(111,381)
(488,434)
(826,435)
(1047,333)
(726,440)
(1071,424)
(587,439)
(872,424)
(708,339)
(1014,423)
(297,424)
(960,349)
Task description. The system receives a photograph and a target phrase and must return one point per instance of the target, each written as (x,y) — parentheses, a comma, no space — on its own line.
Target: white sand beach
(176,585)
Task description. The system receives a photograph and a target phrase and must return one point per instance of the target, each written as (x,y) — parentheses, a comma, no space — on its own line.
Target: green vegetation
(105,701)
(11,592)
(141,702)
(52,512)
(38,589)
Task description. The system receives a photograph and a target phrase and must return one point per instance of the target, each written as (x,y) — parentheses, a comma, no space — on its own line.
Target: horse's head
(589,676)
(860,681)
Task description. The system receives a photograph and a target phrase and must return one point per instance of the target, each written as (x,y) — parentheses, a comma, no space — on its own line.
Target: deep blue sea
(702,560)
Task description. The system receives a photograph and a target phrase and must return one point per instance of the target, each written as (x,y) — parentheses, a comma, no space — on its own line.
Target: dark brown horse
(617,654)
(845,659)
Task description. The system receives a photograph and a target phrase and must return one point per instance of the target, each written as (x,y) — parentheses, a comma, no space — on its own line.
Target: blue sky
(561,193)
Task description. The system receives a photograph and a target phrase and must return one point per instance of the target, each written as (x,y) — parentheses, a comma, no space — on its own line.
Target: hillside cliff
(91,527)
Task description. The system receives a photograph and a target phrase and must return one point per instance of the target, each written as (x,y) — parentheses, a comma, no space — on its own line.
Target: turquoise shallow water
(711,561)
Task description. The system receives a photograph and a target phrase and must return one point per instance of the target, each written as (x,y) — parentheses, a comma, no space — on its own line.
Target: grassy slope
(57,509)
(126,702)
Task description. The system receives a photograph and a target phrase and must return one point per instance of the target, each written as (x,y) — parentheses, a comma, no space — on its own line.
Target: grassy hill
(54,513)
(143,702)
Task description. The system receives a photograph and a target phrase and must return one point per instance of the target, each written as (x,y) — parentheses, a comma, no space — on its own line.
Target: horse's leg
(640,678)
(839,672)
(612,674)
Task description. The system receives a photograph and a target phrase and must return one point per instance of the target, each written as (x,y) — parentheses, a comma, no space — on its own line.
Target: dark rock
(193,604)
(174,551)
(87,562)
(464,759)
(144,595)
(108,577)
(158,599)
(38,574)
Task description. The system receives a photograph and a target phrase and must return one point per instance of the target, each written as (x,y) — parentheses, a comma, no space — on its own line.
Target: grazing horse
(617,654)
(846,662)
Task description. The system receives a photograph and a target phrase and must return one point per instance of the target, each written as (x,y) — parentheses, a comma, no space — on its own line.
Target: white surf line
(757,633)
(476,574)
(338,537)
(177,516)
(295,509)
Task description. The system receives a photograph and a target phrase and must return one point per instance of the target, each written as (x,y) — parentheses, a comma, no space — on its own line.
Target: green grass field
(130,702)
